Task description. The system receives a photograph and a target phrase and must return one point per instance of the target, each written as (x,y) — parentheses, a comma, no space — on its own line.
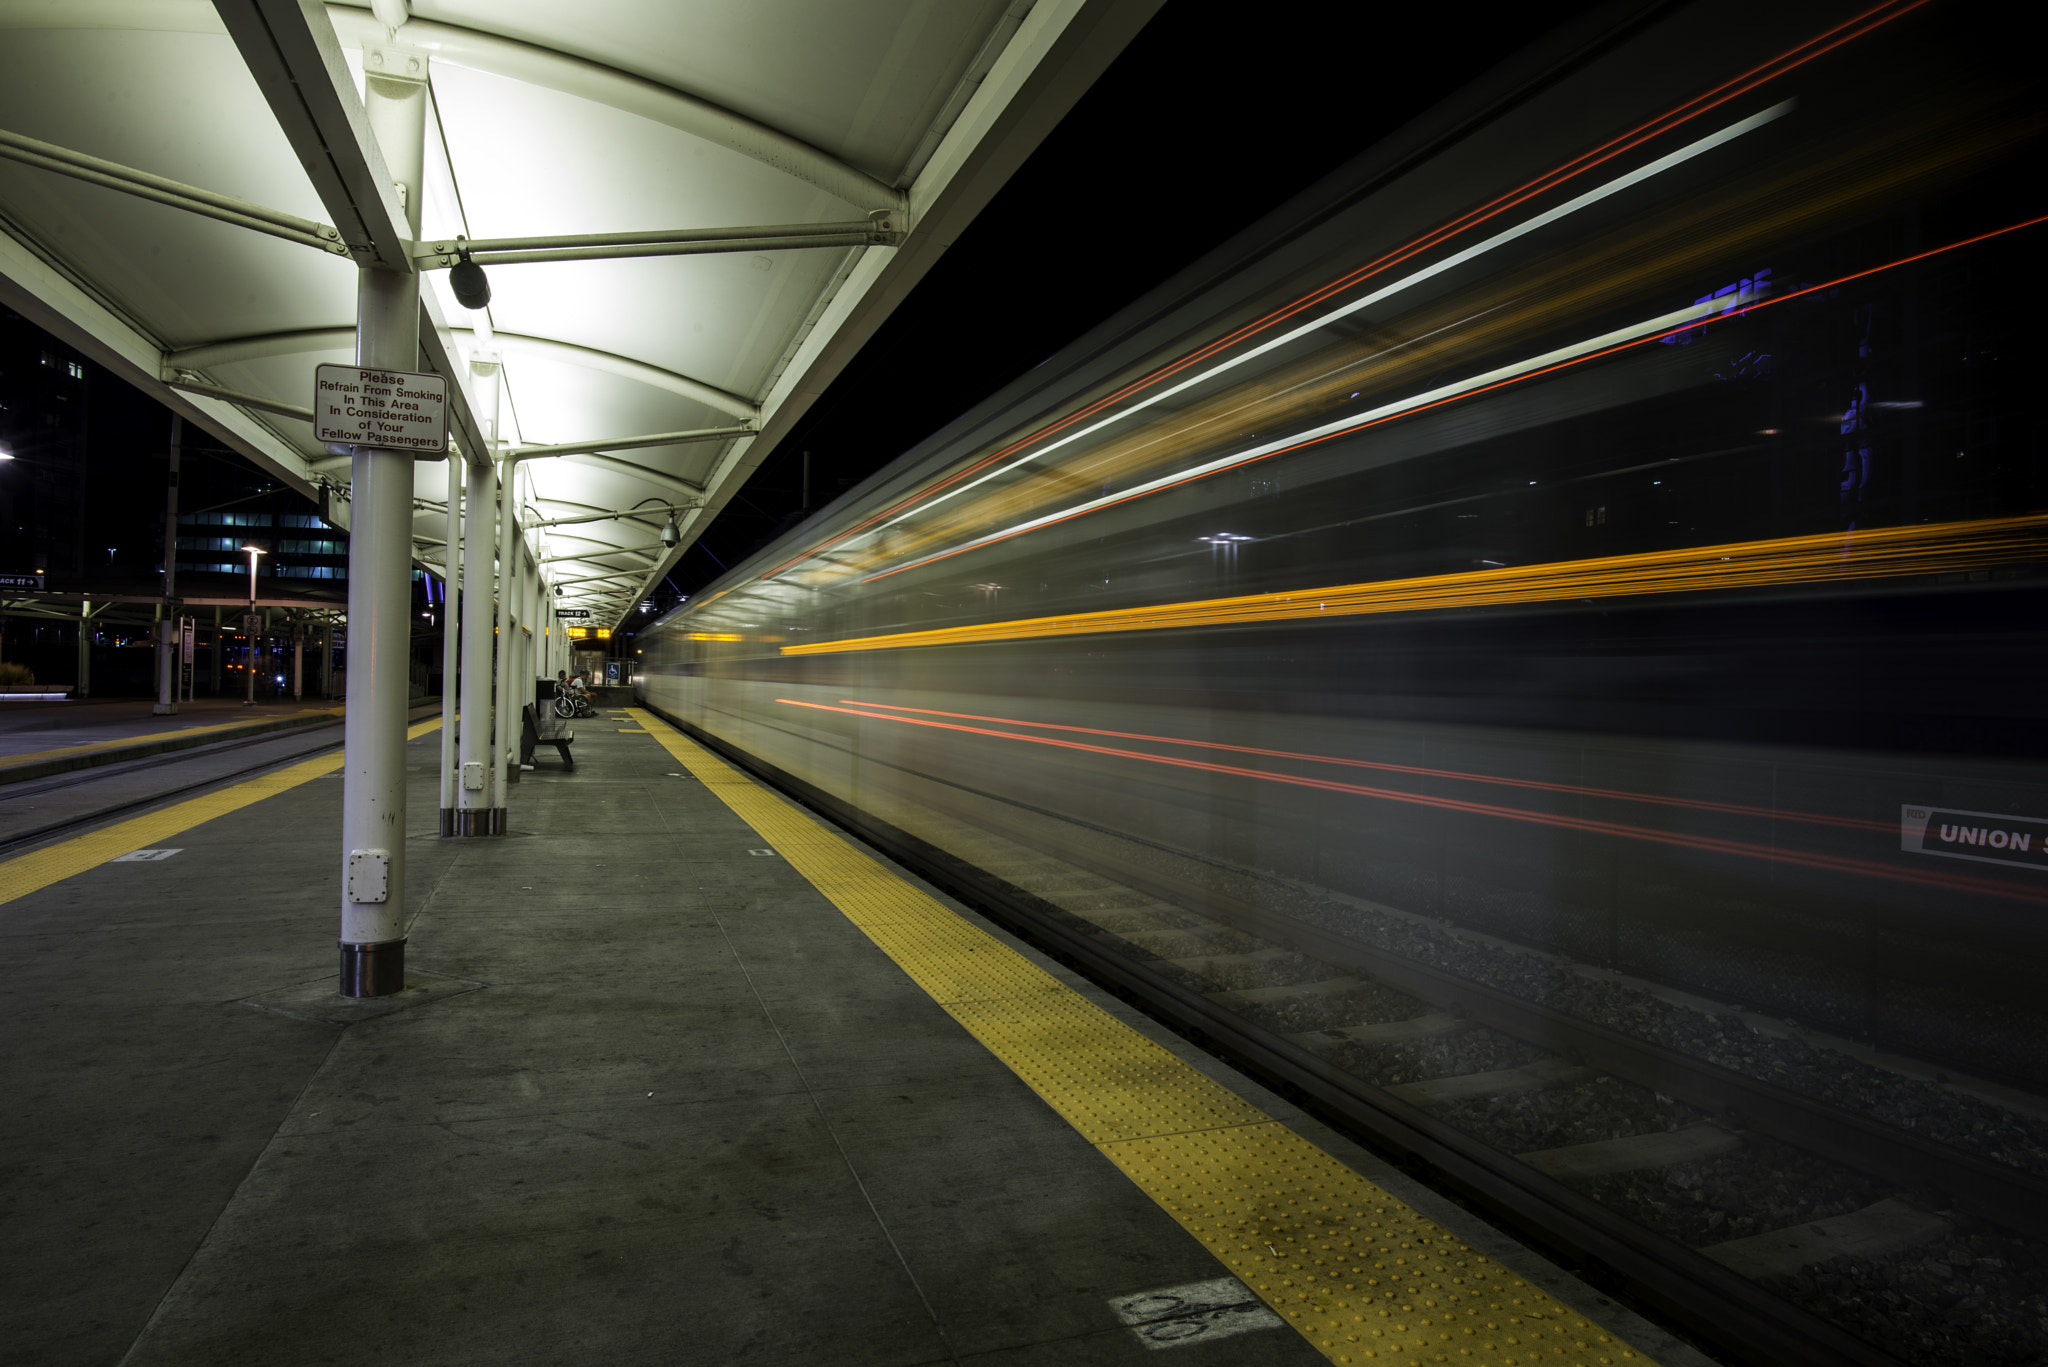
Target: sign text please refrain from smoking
(393,409)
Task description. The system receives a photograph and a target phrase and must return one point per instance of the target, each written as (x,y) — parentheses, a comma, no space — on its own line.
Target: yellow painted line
(38,869)
(121,742)
(1362,1276)
(633,731)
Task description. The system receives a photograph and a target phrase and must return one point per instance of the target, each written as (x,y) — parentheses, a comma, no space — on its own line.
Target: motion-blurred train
(1606,517)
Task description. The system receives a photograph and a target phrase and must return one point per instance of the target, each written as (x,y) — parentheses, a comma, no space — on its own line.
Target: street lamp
(249,622)
(252,552)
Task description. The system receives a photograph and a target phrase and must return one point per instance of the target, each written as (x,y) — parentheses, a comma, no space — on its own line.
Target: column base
(376,970)
(163,709)
(461,821)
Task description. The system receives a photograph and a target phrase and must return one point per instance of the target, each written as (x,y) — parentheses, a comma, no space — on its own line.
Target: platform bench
(536,731)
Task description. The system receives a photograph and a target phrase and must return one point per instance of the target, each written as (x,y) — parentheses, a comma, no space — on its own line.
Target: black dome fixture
(472,287)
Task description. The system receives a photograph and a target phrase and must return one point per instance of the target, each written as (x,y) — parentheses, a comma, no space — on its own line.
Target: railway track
(1774,1224)
(113,785)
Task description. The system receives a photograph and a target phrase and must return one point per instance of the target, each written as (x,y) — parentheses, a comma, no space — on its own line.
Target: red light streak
(1573,789)
(1406,413)
(1826,863)
(1785,62)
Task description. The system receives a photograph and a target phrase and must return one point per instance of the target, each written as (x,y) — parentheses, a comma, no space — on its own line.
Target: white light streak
(1451,262)
(1691,313)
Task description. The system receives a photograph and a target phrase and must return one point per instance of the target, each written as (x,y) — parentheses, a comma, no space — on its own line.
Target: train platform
(680,1075)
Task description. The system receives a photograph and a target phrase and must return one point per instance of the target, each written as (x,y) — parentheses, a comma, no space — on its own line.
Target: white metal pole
(84,685)
(477,811)
(380,594)
(529,612)
(451,645)
(171,644)
(504,751)
(249,630)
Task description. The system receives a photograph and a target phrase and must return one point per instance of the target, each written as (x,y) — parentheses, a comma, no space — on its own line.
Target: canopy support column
(169,637)
(380,594)
(451,647)
(478,810)
(506,753)
(531,642)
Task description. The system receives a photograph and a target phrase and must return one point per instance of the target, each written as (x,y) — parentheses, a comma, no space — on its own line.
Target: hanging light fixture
(472,287)
(670,532)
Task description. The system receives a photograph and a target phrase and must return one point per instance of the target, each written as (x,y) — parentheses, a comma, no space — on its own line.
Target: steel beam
(600,84)
(299,68)
(674,485)
(35,284)
(1054,54)
(884,227)
(243,400)
(867,237)
(232,349)
(290,49)
(162,190)
(601,444)
(633,515)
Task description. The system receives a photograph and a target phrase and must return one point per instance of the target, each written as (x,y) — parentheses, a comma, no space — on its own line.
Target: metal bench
(536,730)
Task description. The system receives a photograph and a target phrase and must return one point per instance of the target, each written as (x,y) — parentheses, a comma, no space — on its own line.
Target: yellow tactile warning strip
(38,869)
(122,742)
(1362,1276)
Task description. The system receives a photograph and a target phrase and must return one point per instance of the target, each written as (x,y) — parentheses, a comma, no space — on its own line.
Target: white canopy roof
(896,119)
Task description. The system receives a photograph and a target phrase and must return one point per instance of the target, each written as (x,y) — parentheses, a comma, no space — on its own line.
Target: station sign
(396,410)
(1986,837)
(21,581)
(572,614)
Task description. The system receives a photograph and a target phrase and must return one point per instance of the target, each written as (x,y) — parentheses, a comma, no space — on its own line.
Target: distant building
(298,546)
(44,393)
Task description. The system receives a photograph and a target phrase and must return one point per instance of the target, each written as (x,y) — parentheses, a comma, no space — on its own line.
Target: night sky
(1204,123)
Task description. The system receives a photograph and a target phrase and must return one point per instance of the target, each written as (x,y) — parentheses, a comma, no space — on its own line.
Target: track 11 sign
(393,409)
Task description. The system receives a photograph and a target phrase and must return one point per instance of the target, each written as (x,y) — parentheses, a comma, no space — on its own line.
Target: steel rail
(1685,1285)
(14,844)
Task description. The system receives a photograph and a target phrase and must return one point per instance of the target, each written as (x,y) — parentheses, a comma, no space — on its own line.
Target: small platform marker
(1195,1313)
(144,856)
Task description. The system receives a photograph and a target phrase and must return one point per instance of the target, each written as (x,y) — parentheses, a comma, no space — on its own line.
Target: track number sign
(393,409)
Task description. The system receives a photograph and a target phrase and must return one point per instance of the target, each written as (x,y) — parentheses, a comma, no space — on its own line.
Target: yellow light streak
(1831,557)
(1795,192)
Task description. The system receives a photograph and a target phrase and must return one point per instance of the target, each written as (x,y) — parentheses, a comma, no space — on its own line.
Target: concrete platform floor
(650,1098)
